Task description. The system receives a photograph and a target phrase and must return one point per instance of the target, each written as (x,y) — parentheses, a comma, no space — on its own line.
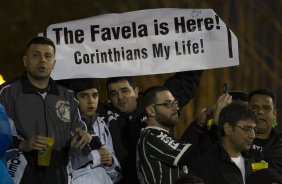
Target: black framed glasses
(247,129)
(168,104)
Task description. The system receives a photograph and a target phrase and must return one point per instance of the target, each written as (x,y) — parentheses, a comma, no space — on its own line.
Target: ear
(54,64)
(227,128)
(25,60)
(136,90)
(275,112)
(150,110)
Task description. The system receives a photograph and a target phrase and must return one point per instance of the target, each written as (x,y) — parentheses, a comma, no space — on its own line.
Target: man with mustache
(126,114)
(159,154)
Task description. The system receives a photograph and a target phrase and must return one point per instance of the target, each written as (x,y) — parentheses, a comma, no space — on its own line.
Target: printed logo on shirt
(257,148)
(63,110)
(168,140)
(112,116)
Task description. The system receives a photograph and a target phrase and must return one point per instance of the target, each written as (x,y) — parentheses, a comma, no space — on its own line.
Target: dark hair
(234,112)
(111,80)
(189,179)
(78,85)
(265,92)
(149,96)
(39,40)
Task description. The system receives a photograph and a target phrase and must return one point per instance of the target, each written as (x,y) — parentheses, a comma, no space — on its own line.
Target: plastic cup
(44,157)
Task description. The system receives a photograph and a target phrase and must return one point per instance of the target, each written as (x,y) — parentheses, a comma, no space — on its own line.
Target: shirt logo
(63,110)
(168,140)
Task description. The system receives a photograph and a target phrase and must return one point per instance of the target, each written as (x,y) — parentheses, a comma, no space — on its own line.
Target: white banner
(142,42)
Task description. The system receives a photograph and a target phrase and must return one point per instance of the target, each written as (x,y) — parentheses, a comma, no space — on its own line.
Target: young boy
(98,164)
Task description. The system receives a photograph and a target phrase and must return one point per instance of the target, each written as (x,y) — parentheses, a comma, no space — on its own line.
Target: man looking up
(40,109)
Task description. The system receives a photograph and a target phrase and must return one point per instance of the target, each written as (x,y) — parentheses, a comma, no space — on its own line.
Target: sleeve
(5,131)
(183,85)
(76,118)
(80,158)
(202,140)
(165,148)
(5,99)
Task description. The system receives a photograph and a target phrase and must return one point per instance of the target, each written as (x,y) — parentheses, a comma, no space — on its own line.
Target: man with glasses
(159,154)
(226,163)
(126,114)
(267,146)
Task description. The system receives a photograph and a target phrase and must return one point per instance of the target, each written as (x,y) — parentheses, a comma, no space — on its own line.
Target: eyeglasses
(247,129)
(168,104)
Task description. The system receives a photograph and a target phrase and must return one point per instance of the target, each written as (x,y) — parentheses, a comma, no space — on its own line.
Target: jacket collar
(28,88)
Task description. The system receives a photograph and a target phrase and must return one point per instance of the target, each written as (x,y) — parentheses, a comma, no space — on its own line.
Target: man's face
(123,96)
(242,135)
(88,101)
(39,61)
(265,111)
(166,109)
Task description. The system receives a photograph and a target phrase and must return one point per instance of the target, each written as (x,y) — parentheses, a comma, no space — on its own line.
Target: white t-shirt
(239,161)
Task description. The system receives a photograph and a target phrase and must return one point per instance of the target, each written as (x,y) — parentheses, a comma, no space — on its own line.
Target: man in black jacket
(267,145)
(225,164)
(126,115)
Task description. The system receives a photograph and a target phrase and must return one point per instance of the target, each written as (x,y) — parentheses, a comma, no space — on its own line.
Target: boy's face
(88,101)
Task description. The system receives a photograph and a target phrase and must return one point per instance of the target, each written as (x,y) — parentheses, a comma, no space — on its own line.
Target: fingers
(37,142)
(40,143)
(81,139)
(106,156)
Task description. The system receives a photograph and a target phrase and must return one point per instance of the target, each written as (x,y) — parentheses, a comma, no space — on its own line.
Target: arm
(165,147)
(183,85)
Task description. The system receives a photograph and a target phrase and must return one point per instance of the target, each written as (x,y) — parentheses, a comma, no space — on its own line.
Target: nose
(252,135)
(90,100)
(42,58)
(175,107)
(119,95)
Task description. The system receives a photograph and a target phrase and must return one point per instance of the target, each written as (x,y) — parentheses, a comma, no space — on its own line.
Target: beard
(166,121)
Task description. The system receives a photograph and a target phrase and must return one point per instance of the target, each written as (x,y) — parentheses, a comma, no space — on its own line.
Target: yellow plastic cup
(44,157)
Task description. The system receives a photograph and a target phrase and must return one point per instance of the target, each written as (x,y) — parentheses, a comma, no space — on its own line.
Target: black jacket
(271,151)
(216,167)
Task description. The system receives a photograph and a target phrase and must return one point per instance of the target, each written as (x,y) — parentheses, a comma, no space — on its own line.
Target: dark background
(256,23)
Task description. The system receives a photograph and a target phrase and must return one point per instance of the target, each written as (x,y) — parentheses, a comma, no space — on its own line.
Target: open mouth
(42,68)
(90,108)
